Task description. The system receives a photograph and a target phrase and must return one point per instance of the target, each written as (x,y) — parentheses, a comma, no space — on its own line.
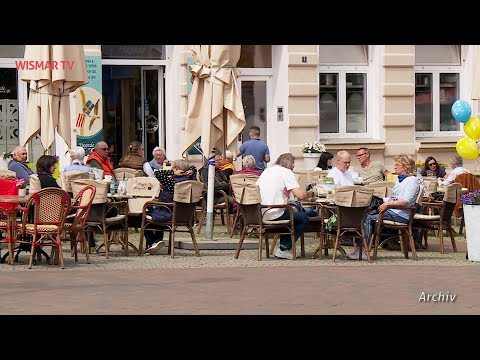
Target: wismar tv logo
(44,65)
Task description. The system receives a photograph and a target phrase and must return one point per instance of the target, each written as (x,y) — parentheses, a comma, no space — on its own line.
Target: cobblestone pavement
(215,283)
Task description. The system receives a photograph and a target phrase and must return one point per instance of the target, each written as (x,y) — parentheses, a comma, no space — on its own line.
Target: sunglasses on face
(431,164)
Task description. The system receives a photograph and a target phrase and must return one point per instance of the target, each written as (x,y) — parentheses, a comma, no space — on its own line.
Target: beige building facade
(390,98)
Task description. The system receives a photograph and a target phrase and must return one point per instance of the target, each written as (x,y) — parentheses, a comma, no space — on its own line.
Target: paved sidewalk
(328,290)
(216,283)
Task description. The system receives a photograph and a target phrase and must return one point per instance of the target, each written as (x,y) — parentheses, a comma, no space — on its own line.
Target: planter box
(310,160)
(472,231)
(4,164)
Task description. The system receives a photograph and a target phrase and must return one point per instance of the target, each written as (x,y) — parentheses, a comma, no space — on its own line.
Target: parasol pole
(211,182)
(210,196)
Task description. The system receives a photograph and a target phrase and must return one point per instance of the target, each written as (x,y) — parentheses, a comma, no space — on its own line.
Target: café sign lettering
(4,90)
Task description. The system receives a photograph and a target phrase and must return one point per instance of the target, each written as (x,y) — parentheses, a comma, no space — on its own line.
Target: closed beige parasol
(215,110)
(53,71)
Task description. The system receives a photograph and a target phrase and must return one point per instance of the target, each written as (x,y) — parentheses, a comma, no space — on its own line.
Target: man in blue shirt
(19,164)
(255,147)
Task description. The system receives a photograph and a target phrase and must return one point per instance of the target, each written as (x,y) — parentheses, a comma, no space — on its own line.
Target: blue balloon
(461,111)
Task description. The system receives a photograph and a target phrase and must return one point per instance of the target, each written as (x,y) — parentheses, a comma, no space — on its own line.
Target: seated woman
(180,171)
(326,160)
(134,159)
(249,168)
(45,170)
(432,168)
(76,157)
(404,193)
(157,163)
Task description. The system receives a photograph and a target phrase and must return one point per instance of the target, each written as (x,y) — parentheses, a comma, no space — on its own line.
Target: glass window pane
(449,93)
(254,99)
(329,103)
(12,51)
(8,110)
(343,54)
(255,56)
(423,102)
(156,52)
(356,104)
(437,54)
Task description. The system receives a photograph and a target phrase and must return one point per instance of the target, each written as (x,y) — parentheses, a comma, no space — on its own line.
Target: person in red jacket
(99,158)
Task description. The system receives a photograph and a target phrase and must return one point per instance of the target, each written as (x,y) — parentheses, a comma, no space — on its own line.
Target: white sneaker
(356,255)
(152,250)
(284,254)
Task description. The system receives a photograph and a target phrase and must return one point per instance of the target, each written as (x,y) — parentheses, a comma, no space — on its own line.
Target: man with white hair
(456,163)
(159,158)
(276,183)
(77,155)
(340,174)
(19,164)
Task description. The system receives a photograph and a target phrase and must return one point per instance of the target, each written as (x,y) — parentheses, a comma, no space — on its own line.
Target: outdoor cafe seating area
(56,223)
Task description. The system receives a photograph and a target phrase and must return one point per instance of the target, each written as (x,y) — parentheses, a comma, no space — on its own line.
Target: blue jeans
(300,219)
(388,215)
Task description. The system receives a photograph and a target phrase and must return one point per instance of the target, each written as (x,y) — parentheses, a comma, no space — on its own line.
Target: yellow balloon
(472,128)
(467,148)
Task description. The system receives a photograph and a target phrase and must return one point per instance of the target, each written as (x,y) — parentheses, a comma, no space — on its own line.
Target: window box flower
(313,147)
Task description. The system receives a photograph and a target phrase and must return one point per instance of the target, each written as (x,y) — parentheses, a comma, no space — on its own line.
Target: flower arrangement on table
(471,198)
(20,183)
(313,147)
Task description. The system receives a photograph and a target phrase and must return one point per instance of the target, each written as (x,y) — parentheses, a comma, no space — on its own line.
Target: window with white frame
(437,87)
(343,93)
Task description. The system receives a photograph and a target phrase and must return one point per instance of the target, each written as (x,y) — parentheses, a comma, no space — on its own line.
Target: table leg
(11,223)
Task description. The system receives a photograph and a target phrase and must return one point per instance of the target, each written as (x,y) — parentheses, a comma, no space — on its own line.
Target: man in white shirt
(276,183)
(457,168)
(340,175)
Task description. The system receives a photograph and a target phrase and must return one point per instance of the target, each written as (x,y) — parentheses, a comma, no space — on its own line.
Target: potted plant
(471,212)
(22,187)
(311,154)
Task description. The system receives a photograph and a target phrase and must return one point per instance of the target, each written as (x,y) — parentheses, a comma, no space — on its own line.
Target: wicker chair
(252,218)
(182,210)
(403,229)
(8,211)
(50,209)
(97,218)
(221,209)
(123,173)
(440,218)
(76,224)
(470,182)
(67,178)
(235,179)
(350,217)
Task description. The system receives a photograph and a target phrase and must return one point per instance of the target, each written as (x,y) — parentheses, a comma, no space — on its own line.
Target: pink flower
(20,183)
